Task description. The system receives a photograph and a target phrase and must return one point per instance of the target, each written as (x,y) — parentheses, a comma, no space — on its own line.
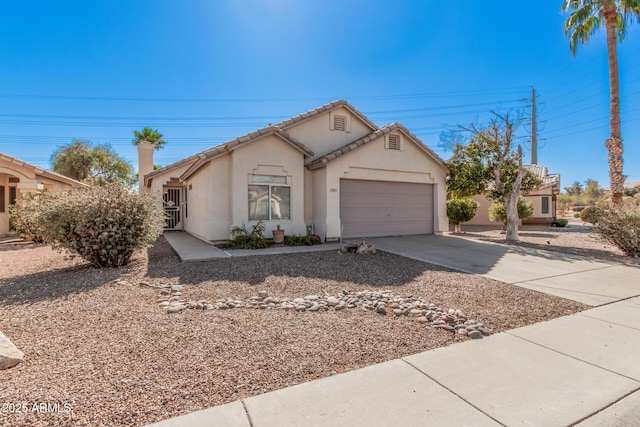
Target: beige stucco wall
(482,214)
(159,181)
(317,135)
(209,200)
(320,196)
(267,156)
(373,162)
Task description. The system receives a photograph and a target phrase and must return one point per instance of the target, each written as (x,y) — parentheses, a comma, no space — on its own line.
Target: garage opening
(383,208)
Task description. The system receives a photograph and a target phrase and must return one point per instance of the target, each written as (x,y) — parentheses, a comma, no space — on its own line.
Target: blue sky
(203,72)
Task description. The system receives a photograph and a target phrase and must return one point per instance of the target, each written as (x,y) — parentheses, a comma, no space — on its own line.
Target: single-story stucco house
(543,199)
(330,171)
(18,178)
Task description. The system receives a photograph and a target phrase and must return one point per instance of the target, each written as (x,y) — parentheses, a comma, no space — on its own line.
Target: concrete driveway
(569,276)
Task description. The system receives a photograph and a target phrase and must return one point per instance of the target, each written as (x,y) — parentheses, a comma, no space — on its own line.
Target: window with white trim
(269,198)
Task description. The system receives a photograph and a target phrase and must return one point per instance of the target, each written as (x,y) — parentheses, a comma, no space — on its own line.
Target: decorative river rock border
(381,302)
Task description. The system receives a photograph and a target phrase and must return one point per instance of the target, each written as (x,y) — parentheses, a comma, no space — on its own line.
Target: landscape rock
(475,334)
(416,309)
(366,249)
(10,355)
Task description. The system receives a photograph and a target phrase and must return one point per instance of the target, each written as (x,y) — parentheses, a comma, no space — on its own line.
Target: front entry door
(171,200)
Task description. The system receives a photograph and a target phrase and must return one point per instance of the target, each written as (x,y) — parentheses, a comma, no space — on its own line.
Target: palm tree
(585,17)
(148,135)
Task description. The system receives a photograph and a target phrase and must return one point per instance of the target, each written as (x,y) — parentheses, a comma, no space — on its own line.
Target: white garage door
(381,208)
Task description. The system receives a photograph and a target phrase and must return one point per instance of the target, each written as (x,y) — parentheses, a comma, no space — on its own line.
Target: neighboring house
(18,177)
(543,199)
(329,171)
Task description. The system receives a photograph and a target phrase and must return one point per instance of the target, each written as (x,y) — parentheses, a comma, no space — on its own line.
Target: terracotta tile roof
(322,161)
(41,172)
(210,154)
(148,177)
(197,160)
(323,109)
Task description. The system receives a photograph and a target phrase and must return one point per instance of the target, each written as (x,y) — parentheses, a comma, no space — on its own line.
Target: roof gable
(324,109)
(373,136)
(40,171)
(208,155)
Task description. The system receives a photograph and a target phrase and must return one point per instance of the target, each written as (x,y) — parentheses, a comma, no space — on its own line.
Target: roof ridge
(322,109)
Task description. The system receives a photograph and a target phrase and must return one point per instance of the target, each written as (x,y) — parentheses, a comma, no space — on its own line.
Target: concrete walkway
(575,370)
(191,249)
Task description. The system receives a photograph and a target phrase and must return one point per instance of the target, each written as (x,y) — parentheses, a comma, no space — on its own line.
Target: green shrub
(498,212)
(296,240)
(461,210)
(590,214)
(560,222)
(24,215)
(578,208)
(241,238)
(621,227)
(104,225)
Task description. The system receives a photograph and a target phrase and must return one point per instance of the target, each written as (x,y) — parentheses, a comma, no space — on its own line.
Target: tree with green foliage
(489,162)
(149,136)
(575,189)
(95,165)
(461,210)
(498,213)
(585,17)
(73,160)
(592,191)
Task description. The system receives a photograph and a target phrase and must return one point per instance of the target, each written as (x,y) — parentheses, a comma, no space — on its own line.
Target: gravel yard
(115,358)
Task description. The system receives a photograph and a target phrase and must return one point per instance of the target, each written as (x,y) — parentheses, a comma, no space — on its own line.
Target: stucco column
(145,162)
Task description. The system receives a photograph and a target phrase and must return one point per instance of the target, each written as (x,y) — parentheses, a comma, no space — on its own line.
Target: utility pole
(534,129)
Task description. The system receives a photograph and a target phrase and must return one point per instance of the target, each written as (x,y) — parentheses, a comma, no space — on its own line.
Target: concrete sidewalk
(191,249)
(575,370)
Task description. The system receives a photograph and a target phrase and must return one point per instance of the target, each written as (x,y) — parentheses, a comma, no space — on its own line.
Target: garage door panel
(380,208)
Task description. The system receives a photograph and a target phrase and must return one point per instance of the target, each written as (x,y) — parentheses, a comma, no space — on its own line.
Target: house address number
(333,190)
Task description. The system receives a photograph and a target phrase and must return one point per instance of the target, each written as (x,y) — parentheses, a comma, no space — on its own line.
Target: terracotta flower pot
(278,237)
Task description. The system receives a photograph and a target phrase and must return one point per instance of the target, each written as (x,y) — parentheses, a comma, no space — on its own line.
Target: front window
(269,198)
(545,205)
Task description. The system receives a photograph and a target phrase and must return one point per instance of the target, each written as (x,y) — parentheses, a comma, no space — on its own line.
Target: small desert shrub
(296,240)
(24,215)
(461,210)
(104,225)
(590,214)
(621,227)
(578,208)
(241,238)
(498,212)
(560,222)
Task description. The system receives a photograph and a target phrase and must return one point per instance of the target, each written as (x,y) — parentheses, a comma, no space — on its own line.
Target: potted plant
(278,236)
